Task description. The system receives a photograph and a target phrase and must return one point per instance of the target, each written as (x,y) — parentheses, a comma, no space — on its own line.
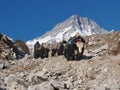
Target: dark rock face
(20,44)
(10,50)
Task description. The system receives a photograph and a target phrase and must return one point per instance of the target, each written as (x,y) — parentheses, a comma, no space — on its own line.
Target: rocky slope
(97,73)
(106,44)
(99,69)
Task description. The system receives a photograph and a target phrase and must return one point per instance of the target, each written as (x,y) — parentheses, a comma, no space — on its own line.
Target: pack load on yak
(36,51)
(41,50)
(72,49)
(75,47)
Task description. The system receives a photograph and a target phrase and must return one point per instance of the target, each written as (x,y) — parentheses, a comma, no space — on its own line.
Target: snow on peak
(68,28)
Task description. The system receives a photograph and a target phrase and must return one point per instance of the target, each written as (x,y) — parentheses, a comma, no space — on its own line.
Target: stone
(101,88)
(57,84)
(42,86)
(15,86)
(2,64)
(2,88)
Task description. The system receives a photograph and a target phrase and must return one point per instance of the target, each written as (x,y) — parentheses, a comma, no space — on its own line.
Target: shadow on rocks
(2,88)
(84,57)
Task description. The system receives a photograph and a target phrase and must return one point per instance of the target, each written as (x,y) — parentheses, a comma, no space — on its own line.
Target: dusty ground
(96,73)
(98,70)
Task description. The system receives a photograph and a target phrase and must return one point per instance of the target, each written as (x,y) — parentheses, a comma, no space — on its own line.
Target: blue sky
(27,19)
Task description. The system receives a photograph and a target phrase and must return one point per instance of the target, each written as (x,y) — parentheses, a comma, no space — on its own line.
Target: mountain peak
(74,17)
(2,35)
(68,28)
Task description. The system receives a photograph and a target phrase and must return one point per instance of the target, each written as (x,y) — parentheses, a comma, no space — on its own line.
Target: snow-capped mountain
(68,28)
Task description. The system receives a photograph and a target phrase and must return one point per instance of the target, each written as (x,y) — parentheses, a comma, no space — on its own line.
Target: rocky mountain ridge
(10,49)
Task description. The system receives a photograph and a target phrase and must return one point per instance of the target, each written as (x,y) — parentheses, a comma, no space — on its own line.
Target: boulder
(15,86)
(2,64)
(42,86)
